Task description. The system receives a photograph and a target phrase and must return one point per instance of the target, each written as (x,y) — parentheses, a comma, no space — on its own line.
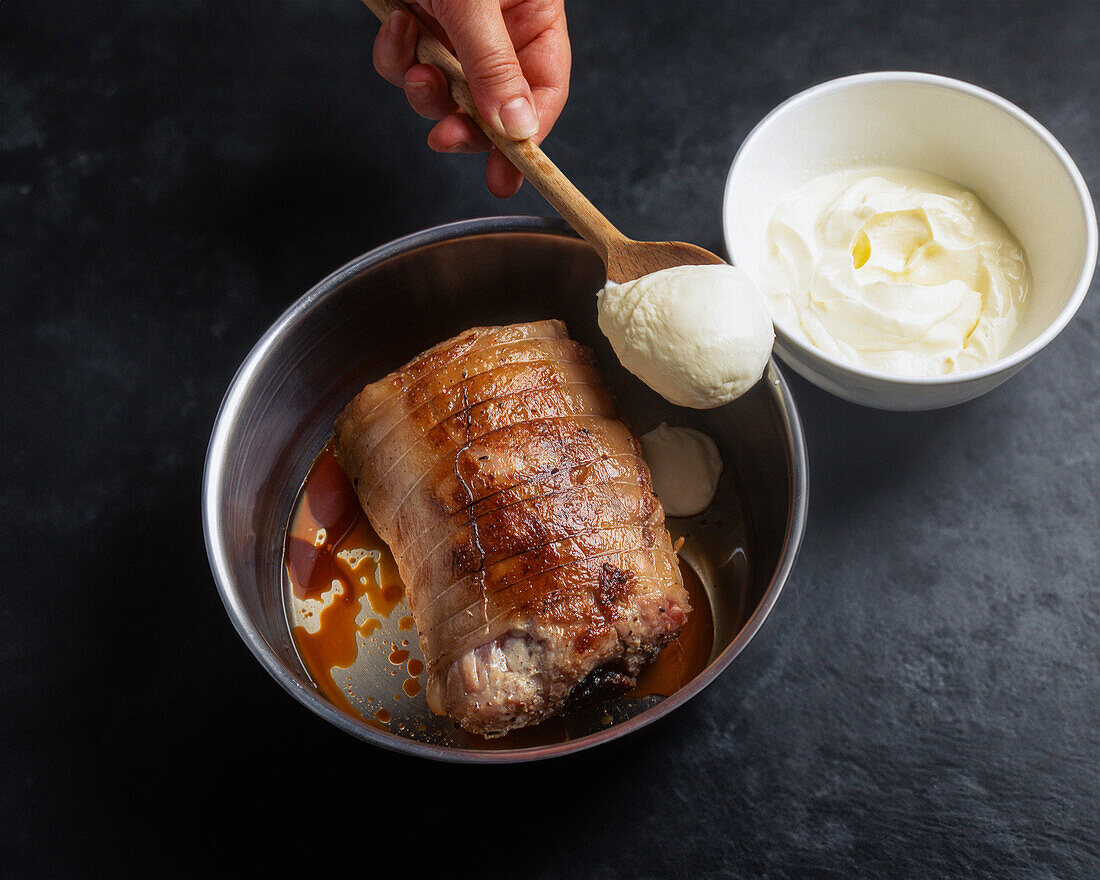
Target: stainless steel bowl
(386,306)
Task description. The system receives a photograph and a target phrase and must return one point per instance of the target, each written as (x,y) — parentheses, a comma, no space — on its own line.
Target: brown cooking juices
(334,560)
(685,657)
(345,588)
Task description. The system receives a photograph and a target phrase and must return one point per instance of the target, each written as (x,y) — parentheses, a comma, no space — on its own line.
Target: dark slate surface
(922,703)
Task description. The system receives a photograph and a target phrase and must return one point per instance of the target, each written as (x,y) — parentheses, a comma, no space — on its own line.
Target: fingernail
(418,86)
(518,119)
(397,23)
(460,147)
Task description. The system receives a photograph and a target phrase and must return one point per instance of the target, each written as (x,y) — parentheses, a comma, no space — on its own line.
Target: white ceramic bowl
(947,127)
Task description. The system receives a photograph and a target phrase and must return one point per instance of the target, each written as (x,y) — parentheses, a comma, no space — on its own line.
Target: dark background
(923,701)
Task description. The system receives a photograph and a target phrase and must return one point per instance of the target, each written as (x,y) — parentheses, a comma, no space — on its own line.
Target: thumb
(484,48)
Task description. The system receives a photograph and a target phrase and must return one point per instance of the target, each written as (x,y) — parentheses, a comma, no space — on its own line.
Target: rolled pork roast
(522,519)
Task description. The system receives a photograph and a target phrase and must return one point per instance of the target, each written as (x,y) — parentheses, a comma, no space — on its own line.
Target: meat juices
(522,519)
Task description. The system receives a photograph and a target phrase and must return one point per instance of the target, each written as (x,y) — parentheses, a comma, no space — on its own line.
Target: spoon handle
(532,162)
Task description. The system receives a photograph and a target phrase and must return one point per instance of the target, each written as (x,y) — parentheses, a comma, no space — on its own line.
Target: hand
(515,54)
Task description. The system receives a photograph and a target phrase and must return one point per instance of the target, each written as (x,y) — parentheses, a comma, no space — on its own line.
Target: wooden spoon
(624,258)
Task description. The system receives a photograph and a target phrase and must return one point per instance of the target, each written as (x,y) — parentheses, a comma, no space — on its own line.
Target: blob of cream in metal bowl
(370,317)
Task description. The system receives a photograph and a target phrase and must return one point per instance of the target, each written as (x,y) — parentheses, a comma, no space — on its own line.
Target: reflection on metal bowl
(372,316)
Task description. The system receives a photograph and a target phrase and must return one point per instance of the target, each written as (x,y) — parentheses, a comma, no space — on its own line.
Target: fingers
(395,59)
(427,92)
(547,60)
(485,41)
(457,133)
(501,176)
(484,48)
(394,47)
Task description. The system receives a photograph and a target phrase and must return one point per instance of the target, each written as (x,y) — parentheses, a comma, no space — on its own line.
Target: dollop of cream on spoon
(699,336)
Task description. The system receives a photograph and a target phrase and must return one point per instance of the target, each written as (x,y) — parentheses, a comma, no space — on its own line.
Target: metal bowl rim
(217,553)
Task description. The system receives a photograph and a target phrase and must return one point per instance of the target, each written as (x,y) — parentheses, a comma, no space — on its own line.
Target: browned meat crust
(523,521)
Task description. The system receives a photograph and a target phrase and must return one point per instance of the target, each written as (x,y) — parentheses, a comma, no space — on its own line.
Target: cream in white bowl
(896,270)
(943,127)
